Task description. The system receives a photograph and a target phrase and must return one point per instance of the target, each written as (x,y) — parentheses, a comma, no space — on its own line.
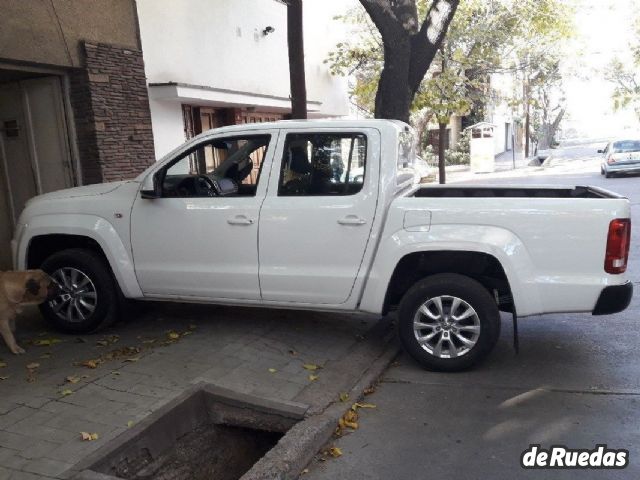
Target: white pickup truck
(327,215)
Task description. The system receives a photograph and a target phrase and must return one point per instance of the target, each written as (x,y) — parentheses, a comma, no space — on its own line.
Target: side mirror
(151,187)
(600,150)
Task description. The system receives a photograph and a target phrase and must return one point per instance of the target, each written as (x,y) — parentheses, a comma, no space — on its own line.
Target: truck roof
(314,123)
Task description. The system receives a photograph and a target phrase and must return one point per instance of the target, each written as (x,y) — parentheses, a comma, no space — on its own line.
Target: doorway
(34,146)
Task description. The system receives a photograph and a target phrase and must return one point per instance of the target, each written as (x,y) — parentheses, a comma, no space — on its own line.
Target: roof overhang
(222,97)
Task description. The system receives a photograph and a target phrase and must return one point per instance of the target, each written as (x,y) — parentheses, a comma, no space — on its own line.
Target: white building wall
(500,113)
(167,125)
(220,44)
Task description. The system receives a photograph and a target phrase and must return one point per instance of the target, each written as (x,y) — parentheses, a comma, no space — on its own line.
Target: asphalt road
(576,382)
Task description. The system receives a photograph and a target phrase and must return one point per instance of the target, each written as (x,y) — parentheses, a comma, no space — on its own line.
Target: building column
(111,109)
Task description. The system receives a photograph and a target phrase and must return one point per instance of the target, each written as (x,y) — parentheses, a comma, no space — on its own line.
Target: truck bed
(512,191)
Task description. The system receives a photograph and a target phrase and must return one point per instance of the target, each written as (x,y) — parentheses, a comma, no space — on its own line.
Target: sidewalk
(108,382)
(557,163)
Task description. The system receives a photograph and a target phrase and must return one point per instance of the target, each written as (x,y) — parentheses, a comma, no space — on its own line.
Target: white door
(48,133)
(189,244)
(316,221)
(34,154)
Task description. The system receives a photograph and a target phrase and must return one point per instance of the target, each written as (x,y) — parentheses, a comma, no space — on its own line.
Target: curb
(297,448)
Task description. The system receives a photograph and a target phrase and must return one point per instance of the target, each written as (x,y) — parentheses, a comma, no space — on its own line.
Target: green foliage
(459,155)
(626,75)
(485,37)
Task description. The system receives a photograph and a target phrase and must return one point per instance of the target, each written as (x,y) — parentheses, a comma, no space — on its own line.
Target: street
(576,382)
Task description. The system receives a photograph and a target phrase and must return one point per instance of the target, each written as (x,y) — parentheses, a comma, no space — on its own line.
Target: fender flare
(500,243)
(91,226)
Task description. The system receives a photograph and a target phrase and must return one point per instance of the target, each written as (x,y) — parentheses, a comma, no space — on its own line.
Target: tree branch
(427,41)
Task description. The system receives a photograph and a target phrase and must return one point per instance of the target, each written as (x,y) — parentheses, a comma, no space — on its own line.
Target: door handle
(240,220)
(352,220)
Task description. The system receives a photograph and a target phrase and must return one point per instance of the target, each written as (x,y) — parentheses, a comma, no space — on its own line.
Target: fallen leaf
(335,452)
(130,423)
(72,379)
(132,359)
(46,342)
(313,378)
(348,420)
(311,366)
(102,343)
(115,372)
(306,470)
(184,334)
(33,366)
(344,397)
(88,437)
(272,370)
(173,335)
(4,378)
(369,391)
(66,392)
(151,341)
(362,405)
(3,364)
(91,363)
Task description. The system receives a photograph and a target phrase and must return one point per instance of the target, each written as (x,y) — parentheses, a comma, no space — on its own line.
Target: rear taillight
(611,160)
(618,240)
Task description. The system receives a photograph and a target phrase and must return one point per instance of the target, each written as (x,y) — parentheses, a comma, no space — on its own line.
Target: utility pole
(526,115)
(295,41)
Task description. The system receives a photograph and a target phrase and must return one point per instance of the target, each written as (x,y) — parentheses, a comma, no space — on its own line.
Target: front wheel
(448,322)
(89,298)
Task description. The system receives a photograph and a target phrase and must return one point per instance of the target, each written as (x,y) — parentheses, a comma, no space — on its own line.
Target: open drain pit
(206,433)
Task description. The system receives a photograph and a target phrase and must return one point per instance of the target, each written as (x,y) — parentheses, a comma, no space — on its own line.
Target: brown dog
(30,287)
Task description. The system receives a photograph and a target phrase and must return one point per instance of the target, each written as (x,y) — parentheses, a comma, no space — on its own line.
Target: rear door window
(323,164)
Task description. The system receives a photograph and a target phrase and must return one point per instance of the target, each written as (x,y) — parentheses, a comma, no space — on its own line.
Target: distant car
(620,157)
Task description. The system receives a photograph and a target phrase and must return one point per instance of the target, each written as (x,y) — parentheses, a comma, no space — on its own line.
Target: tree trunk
(393,99)
(549,132)
(527,126)
(442,133)
(409,49)
(296,60)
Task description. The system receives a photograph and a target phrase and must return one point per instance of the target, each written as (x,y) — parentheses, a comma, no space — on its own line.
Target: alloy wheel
(78,298)
(446,326)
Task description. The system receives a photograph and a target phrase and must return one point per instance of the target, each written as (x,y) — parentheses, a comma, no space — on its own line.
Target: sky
(603,30)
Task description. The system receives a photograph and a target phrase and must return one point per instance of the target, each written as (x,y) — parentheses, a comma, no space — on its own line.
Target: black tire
(469,291)
(608,175)
(108,296)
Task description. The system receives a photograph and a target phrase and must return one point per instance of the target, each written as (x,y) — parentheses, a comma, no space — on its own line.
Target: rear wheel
(89,297)
(608,175)
(448,322)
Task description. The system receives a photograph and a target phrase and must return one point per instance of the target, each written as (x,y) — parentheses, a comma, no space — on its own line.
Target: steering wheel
(204,186)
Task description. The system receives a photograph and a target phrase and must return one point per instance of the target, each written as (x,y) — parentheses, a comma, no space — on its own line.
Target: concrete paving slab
(138,369)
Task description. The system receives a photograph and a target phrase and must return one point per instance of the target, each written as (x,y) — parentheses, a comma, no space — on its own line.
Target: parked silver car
(620,157)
